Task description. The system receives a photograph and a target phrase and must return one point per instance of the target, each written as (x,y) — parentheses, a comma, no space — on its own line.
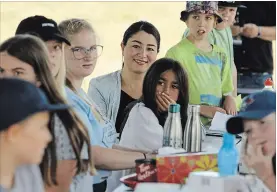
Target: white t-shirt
(141,131)
(27,179)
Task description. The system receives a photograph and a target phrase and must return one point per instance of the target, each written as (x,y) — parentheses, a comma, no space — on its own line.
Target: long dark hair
(150,83)
(31,50)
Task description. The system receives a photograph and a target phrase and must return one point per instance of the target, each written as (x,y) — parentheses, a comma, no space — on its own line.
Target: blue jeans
(252,80)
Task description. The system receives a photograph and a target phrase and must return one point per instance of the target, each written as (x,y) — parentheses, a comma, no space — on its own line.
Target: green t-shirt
(208,73)
(222,38)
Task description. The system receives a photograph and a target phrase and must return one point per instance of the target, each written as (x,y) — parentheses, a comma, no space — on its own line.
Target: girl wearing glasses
(81,58)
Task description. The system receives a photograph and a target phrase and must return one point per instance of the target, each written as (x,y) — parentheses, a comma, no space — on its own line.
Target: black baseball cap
(254,107)
(237,4)
(20,99)
(46,29)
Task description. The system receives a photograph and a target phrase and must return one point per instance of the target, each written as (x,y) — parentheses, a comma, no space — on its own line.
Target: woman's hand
(163,101)
(209,111)
(230,105)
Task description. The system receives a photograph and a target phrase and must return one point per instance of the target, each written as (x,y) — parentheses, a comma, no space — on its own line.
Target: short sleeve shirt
(99,135)
(83,181)
(208,73)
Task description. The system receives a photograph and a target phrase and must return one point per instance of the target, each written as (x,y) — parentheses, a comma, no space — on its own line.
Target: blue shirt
(96,132)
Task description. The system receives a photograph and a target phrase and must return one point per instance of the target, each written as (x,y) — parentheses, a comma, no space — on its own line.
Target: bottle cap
(268,82)
(228,139)
(174,108)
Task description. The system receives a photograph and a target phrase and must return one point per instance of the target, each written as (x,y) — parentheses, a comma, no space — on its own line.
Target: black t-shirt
(255,54)
(125,99)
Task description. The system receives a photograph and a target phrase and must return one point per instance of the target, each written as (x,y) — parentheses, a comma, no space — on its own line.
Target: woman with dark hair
(114,91)
(165,83)
(67,160)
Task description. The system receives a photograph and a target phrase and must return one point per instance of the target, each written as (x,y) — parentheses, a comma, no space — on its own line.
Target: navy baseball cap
(255,106)
(237,4)
(46,29)
(20,99)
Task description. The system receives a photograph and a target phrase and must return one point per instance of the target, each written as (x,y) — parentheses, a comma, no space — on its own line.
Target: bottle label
(172,142)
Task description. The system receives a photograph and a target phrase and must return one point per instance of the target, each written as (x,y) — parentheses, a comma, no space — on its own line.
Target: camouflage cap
(208,7)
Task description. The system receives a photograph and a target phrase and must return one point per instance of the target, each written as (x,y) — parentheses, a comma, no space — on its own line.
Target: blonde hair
(61,76)
(69,28)
(73,26)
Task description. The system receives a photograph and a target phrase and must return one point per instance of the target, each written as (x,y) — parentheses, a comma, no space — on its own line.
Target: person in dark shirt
(257,119)
(256,26)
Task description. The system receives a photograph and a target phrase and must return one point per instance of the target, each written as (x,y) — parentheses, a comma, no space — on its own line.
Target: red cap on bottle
(268,82)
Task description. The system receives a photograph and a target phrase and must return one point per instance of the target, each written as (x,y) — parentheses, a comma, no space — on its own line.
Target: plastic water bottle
(268,85)
(228,156)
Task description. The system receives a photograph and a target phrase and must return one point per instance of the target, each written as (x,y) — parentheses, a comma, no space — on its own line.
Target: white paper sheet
(219,122)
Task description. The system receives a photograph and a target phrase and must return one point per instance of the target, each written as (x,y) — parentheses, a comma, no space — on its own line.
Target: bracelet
(259,31)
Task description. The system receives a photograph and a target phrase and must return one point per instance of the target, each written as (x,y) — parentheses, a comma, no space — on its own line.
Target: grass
(110,20)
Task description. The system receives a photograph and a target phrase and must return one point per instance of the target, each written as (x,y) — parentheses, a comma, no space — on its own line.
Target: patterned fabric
(63,144)
(83,181)
(209,7)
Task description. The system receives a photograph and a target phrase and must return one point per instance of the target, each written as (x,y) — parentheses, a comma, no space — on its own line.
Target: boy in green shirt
(207,65)
(221,35)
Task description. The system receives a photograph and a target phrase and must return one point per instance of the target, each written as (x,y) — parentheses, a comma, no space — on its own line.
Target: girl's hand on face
(163,102)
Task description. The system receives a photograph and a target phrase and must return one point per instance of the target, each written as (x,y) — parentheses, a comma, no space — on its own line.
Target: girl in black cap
(48,31)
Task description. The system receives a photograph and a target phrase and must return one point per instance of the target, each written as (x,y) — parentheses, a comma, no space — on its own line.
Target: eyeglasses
(82,52)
